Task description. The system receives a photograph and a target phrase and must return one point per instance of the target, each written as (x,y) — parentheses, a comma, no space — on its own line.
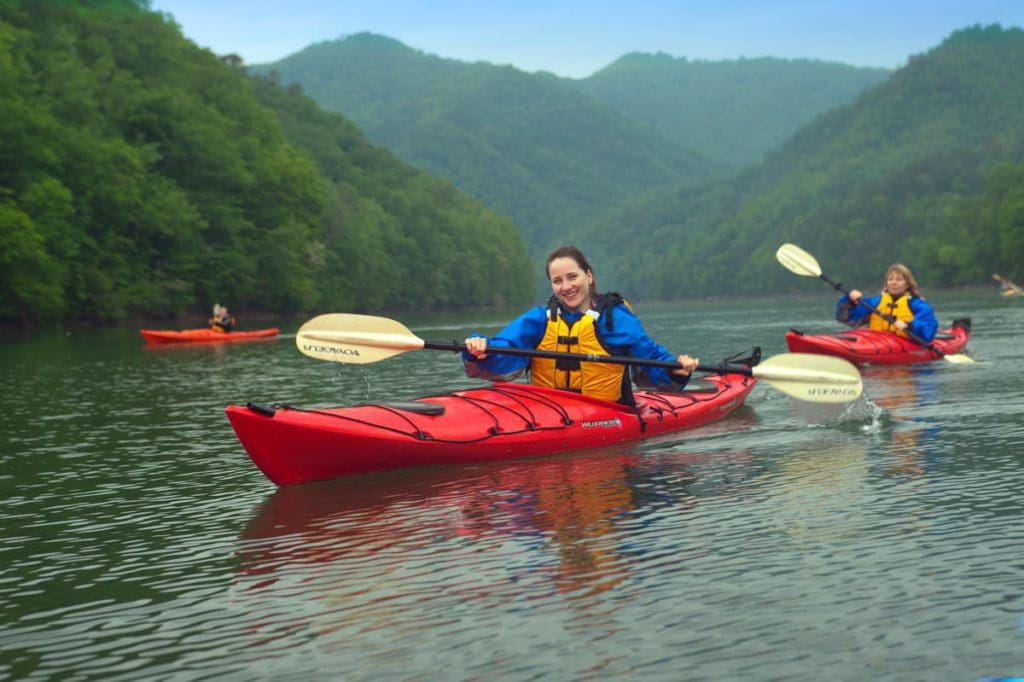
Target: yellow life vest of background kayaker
(898,308)
(601,380)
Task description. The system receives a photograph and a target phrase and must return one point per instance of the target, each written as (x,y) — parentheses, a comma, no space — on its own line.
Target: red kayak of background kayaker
(500,421)
(205,335)
(871,347)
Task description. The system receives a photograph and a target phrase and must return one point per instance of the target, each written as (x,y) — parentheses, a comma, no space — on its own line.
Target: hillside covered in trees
(730,111)
(537,150)
(143,176)
(920,164)
(926,168)
(553,153)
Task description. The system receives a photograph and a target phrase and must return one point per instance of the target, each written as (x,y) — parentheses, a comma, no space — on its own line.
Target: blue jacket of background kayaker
(924,324)
(627,337)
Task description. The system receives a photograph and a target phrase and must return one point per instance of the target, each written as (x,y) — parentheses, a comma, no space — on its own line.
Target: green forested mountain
(531,146)
(926,168)
(143,176)
(729,111)
(553,153)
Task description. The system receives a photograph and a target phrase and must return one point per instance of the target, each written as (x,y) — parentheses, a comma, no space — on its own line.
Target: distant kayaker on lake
(576,319)
(1006,286)
(900,298)
(222,321)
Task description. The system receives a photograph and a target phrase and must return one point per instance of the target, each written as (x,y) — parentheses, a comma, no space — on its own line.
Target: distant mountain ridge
(537,150)
(730,111)
(926,168)
(554,153)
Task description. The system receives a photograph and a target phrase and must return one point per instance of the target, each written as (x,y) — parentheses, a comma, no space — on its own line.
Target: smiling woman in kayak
(900,299)
(576,319)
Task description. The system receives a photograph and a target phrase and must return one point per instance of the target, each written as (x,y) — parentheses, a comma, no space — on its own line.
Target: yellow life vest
(598,379)
(898,308)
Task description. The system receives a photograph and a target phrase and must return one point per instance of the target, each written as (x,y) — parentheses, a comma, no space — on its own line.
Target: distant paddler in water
(1007,287)
(222,321)
(905,321)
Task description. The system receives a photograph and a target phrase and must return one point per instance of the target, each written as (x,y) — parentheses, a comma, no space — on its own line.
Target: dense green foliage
(729,111)
(536,149)
(919,167)
(394,236)
(925,168)
(141,175)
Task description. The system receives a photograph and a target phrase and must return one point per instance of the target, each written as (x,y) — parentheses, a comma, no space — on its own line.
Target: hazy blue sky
(577,37)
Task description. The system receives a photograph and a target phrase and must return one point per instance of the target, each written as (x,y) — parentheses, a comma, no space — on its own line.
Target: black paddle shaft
(722,368)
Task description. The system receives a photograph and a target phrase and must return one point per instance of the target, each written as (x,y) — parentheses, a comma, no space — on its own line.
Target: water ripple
(785,542)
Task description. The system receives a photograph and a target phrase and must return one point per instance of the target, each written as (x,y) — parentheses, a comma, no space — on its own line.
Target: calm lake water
(882,541)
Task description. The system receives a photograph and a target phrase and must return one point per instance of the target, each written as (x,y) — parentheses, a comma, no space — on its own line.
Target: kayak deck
(204,335)
(873,347)
(500,421)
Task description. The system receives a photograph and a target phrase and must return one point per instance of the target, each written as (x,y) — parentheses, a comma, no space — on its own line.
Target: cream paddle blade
(811,377)
(796,260)
(354,339)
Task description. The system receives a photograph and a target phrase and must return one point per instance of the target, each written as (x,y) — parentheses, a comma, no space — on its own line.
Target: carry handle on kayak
(362,339)
(798,261)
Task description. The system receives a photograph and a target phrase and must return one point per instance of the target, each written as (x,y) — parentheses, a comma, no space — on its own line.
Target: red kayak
(500,421)
(870,347)
(205,335)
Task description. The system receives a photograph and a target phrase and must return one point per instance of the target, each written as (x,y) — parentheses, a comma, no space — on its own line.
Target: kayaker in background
(900,298)
(221,321)
(1006,286)
(576,319)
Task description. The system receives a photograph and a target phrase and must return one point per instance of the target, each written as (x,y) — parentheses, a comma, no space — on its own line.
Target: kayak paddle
(1008,287)
(362,339)
(798,261)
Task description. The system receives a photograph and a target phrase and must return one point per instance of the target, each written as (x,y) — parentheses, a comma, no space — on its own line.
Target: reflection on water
(141,543)
(902,392)
(818,491)
(571,508)
(358,552)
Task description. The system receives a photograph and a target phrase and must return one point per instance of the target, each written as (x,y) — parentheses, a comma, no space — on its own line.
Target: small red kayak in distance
(872,347)
(205,335)
(501,421)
